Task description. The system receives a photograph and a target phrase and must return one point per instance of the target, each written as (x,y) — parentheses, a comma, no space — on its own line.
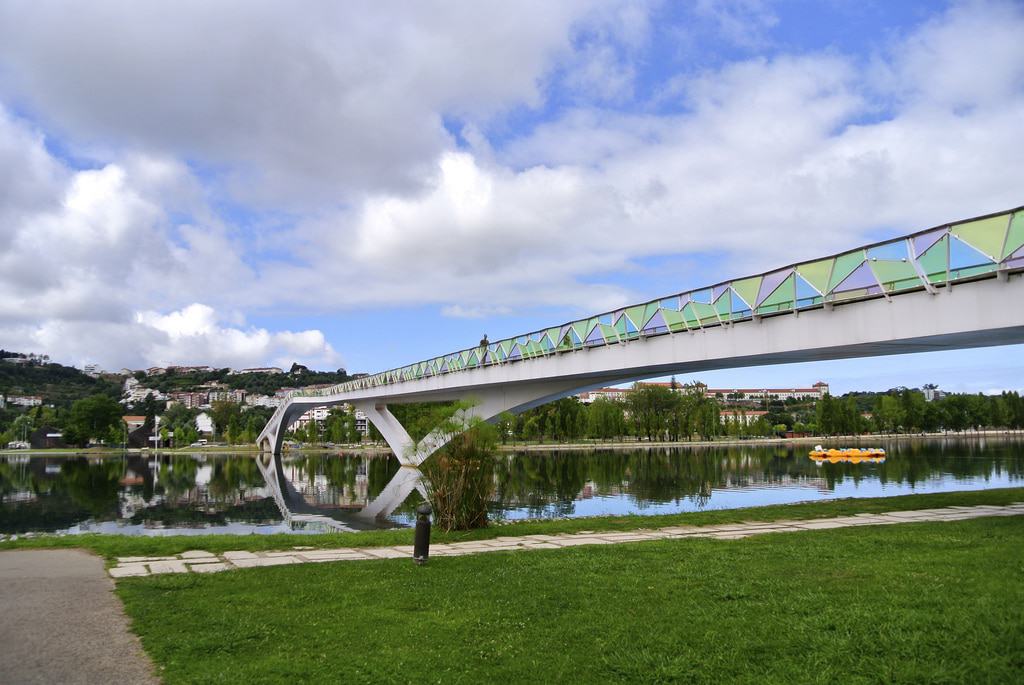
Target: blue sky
(365,185)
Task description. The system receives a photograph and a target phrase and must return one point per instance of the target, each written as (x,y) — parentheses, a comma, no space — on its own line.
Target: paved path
(60,622)
(207,562)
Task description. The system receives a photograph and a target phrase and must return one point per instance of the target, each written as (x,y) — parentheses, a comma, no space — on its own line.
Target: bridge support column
(392,431)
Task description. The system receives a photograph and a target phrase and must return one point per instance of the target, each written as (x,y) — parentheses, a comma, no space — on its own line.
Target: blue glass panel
(703,296)
(963,256)
(895,250)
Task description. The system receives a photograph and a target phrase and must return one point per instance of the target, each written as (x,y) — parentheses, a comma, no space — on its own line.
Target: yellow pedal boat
(847,455)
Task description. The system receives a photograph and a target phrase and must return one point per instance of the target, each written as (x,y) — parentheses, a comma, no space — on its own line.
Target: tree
(95,417)
(649,406)
(506,422)
(224,414)
(888,415)
(605,419)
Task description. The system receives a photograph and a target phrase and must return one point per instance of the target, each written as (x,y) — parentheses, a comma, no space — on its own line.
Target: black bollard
(421,545)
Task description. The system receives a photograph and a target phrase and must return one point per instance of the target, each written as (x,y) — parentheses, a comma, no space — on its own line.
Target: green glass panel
(973,271)
(553,333)
(620,326)
(783,295)
(691,316)
(985,235)
(636,315)
(1015,237)
(748,289)
(583,328)
(933,262)
(845,265)
(724,305)
(705,312)
(650,310)
(817,273)
(895,275)
(674,320)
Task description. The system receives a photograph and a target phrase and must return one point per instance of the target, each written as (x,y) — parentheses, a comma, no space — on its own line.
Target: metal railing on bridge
(927,260)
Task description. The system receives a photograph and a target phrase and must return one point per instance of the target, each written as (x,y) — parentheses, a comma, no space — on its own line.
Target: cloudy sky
(364,185)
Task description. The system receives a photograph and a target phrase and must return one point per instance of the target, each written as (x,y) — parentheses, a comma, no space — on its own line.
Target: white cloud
(91,257)
(773,160)
(743,22)
(196,334)
(332,119)
(457,311)
(299,105)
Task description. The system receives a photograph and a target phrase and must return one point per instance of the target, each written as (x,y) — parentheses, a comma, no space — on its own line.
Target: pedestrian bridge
(958,285)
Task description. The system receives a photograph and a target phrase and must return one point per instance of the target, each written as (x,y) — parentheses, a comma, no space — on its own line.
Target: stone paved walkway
(207,562)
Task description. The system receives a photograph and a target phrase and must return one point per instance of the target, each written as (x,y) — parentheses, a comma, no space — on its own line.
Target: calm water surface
(164,494)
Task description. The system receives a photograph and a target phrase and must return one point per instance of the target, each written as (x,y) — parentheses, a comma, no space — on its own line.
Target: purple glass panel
(717,291)
(1016,259)
(923,242)
(770,283)
(862,277)
(657,321)
(595,336)
(683,299)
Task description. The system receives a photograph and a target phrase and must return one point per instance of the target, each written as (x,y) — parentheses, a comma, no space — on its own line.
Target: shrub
(459,477)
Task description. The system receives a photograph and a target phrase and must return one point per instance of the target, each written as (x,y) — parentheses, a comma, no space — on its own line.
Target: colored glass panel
(595,337)
(723,305)
(860,278)
(740,308)
(984,235)
(964,256)
(747,289)
(636,315)
(771,282)
(817,273)
(674,320)
(895,275)
(845,265)
(806,294)
(934,261)
(925,241)
(1015,236)
(896,251)
(781,298)
(701,296)
(705,313)
(690,315)
(656,324)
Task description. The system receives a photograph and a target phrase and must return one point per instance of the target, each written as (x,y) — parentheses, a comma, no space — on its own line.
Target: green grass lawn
(911,603)
(112,546)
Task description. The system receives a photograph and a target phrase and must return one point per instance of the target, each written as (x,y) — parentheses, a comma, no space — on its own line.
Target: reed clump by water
(459,478)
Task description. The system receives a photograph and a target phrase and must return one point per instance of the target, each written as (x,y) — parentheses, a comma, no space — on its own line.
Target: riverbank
(916,602)
(113,546)
(376,449)
(829,440)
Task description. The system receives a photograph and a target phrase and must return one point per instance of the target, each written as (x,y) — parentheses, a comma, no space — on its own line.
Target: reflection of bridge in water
(301,514)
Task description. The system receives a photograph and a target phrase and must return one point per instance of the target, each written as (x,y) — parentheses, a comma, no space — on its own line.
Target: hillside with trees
(57,384)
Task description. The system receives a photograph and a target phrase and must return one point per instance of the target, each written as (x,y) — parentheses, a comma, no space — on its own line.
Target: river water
(162,494)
